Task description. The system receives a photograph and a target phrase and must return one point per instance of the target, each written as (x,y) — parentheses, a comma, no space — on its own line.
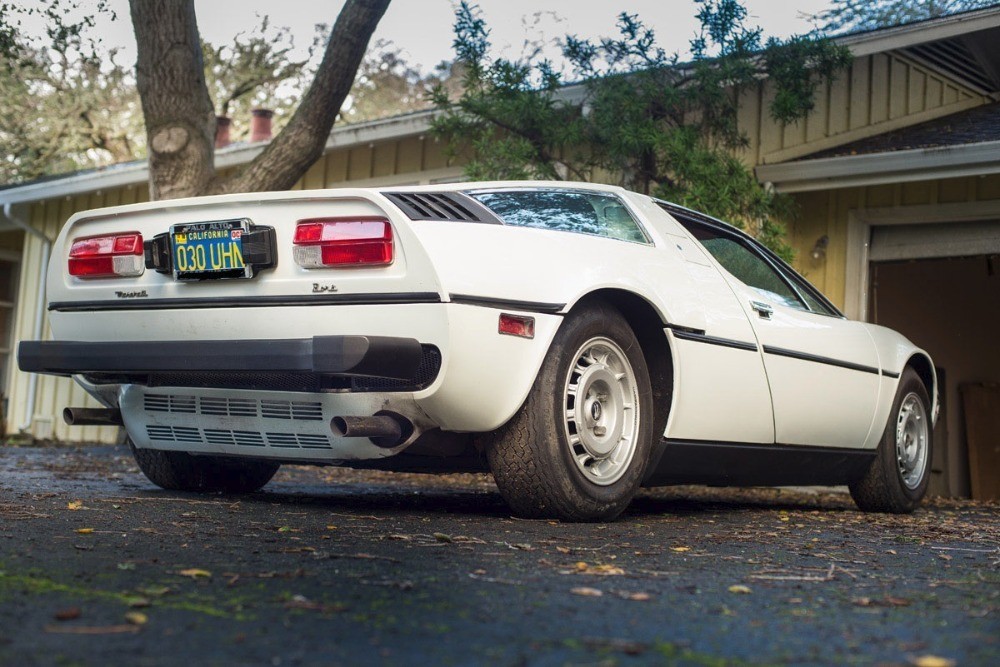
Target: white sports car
(579,341)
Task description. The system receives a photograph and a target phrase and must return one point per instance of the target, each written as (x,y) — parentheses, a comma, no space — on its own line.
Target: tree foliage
(76,103)
(635,113)
(388,85)
(255,70)
(82,96)
(851,15)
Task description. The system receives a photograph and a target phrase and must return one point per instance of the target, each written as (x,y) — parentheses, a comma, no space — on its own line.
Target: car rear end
(305,326)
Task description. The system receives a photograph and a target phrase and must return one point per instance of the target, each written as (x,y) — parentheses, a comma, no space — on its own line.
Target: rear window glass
(579,212)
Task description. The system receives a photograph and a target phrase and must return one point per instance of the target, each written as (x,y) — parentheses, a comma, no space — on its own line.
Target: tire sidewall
(590,323)
(909,383)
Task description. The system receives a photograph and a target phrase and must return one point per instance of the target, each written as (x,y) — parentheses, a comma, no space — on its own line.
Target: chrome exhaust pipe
(384,429)
(92,416)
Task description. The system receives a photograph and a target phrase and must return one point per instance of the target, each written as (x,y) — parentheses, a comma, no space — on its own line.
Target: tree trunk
(170,76)
(180,120)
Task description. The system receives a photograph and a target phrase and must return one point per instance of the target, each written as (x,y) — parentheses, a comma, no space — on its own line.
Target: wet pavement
(329,566)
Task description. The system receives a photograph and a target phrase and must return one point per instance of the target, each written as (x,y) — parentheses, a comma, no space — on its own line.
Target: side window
(747,266)
(579,212)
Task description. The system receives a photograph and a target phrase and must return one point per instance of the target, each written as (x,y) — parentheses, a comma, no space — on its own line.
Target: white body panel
(817,403)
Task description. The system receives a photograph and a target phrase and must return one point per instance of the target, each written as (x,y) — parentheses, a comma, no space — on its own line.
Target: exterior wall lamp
(819,249)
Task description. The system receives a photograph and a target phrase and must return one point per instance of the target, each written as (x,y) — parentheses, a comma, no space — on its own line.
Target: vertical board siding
(878,93)
(827,213)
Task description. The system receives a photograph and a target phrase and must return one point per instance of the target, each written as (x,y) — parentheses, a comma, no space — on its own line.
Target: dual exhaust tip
(385,429)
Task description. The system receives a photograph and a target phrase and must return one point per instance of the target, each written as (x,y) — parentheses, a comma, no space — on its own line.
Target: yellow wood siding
(826,213)
(877,94)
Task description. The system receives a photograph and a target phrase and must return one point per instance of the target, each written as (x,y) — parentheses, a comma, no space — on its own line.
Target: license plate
(209,250)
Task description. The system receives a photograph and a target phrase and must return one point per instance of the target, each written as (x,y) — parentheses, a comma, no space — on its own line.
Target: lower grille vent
(226,437)
(234,407)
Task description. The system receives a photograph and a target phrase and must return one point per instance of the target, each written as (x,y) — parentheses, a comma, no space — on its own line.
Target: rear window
(588,213)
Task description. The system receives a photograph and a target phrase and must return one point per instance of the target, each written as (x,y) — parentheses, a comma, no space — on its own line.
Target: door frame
(861,220)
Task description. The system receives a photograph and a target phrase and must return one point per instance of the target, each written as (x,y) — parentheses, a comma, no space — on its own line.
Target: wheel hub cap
(911,440)
(601,411)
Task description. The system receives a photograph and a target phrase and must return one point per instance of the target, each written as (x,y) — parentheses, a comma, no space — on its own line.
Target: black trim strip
(713,340)
(805,356)
(249,302)
(379,356)
(507,304)
(684,329)
(889,374)
(751,464)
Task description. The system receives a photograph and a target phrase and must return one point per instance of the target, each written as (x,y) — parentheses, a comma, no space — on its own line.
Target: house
(896,173)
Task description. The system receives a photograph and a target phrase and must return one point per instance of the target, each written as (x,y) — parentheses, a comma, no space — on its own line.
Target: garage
(939,284)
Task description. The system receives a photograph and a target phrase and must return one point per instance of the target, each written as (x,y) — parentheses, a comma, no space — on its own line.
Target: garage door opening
(950,306)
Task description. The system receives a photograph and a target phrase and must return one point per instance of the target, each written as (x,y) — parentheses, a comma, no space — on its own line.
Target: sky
(423,28)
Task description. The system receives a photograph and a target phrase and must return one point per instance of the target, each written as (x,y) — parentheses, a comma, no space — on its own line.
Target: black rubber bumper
(373,356)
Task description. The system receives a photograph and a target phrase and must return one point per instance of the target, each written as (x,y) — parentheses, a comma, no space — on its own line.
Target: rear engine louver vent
(440,206)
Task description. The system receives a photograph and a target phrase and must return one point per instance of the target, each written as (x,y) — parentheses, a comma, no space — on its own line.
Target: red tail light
(343,242)
(114,255)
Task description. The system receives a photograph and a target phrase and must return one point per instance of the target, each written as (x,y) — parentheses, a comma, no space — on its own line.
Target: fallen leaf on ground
(138,603)
(195,573)
(154,591)
(74,505)
(680,549)
(441,537)
(739,588)
(887,601)
(586,592)
(600,570)
(636,597)
(85,531)
(68,614)
(932,661)
(136,618)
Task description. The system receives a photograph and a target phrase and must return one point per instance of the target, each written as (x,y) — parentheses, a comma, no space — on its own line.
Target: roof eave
(903,166)
(900,37)
(344,136)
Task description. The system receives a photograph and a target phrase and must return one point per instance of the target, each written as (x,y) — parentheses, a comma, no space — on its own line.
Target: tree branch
(302,141)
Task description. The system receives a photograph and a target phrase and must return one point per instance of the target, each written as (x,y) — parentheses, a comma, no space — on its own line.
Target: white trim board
(918,164)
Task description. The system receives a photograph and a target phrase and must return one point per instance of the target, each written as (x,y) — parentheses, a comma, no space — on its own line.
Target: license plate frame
(209,250)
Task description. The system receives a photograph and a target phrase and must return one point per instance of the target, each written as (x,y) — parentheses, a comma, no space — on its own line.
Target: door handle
(763,309)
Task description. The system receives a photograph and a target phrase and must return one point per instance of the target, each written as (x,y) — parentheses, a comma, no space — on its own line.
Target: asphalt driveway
(331,566)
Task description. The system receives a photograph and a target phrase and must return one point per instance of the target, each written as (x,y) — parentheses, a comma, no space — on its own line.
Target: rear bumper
(369,356)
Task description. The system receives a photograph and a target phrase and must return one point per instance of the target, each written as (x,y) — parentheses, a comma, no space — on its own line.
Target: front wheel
(578,448)
(180,471)
(898,477)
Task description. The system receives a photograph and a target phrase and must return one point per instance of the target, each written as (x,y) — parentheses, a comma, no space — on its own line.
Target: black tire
(180,471)
(531,456)
(885,487)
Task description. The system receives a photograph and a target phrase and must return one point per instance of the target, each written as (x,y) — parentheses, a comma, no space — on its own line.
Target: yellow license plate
(208,250)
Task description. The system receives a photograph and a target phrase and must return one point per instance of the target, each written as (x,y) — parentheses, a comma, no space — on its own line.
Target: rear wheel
(898,477)
(578,448)
(180,471)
